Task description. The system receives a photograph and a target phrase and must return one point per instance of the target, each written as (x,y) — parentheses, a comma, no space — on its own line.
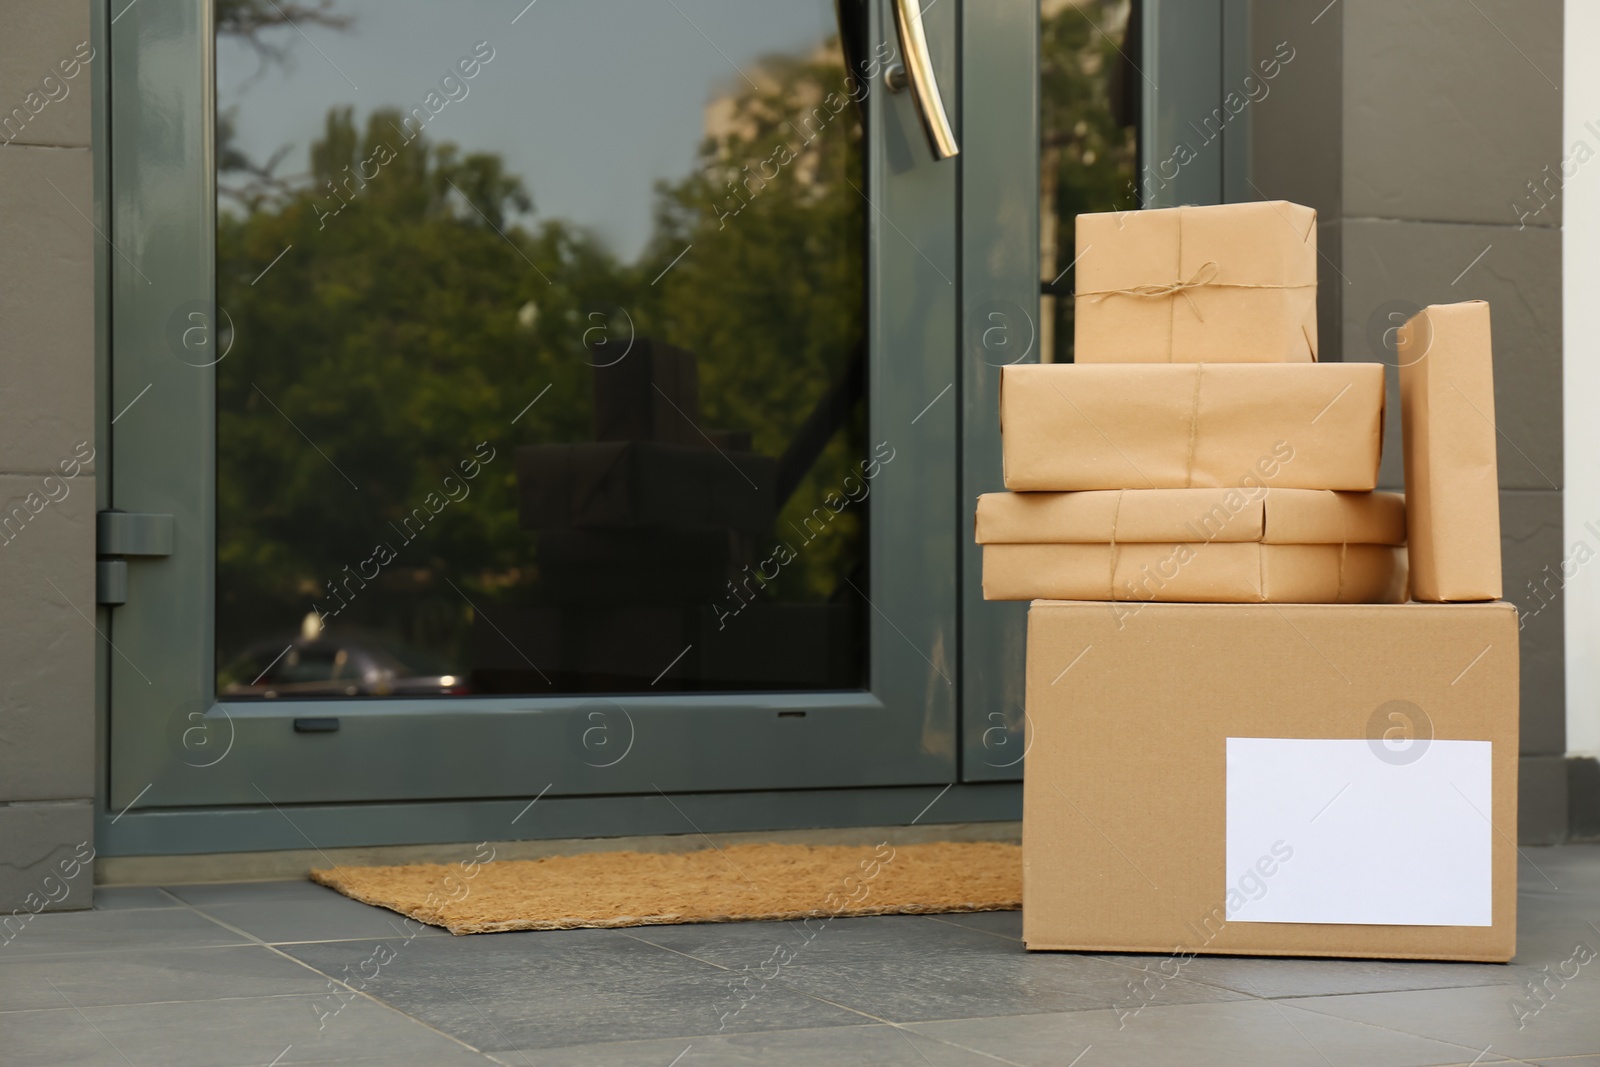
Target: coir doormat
(741,882)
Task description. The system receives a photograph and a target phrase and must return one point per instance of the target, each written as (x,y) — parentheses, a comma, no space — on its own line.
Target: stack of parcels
(1196,451)
(1242,737)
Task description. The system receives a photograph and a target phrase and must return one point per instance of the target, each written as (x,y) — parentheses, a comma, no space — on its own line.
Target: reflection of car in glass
(332,666)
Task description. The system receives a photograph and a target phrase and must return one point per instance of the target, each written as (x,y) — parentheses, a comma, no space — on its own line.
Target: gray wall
(1413,128)
(47,300)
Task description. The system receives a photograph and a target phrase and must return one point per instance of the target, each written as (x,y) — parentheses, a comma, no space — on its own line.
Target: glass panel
(1089,86)
(542,347)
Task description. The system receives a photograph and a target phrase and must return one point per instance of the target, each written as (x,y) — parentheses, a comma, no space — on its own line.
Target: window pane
(545,360)
(1088,102)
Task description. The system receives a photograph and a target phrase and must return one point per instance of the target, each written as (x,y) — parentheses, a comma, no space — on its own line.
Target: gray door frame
(1197,52)
(900,731)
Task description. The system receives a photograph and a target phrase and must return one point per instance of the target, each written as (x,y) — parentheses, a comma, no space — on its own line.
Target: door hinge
(119,534)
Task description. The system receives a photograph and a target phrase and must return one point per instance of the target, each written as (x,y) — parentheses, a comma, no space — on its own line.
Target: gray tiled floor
(285,973)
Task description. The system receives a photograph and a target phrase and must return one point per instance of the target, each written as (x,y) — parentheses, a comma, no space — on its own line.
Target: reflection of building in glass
(790,92)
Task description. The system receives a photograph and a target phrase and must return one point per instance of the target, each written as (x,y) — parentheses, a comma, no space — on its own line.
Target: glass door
(528,397)
(589,401)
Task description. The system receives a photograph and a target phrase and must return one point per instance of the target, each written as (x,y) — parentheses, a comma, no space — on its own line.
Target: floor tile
(117,930)
(221,1033)
(169,986)
(53,1038)
(1553,869)
(565,987)
(208,893)
(1000,923)
(334,918)
(1551,925)
(429,1056)
(1279,977)
(905,967)
(1568,1024)
(874,1044)
(147,976)
(119,897)
(1576,860)
(1236,1034)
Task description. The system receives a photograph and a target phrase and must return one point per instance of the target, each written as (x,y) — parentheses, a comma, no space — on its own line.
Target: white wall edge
(1579,191)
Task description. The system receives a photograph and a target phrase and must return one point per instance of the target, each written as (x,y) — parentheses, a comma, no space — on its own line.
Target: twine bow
(1201,277)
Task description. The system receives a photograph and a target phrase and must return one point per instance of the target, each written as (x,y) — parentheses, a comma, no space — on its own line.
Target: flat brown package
(1191,425)
(1228,545)
(1129,794)
(1220,572)
(1270,516)
(1229,283)
(1452,481)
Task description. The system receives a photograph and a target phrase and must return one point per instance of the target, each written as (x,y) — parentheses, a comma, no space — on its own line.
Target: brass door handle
(924,85)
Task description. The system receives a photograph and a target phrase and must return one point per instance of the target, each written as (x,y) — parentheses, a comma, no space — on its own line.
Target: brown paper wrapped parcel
(1071,426)
(1231,283)
(1238,545)
(1452,482)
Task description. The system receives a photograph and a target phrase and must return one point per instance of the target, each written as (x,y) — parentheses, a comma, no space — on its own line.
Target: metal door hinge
(119,534)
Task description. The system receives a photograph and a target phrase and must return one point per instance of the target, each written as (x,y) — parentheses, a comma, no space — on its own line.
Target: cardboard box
(1270,516)
(1231,283)
(1134,796)
(1192,425)
(1452,481)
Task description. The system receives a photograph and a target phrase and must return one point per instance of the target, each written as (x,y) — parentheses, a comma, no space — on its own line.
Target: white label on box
(1343,831)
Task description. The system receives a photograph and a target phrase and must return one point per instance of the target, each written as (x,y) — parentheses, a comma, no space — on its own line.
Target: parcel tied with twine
(1229,283)
(1067,426)
(1234,545)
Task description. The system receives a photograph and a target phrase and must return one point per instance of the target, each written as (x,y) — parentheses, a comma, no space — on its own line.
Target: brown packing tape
(1246,275)
(1220,572)
(1191,425)
(1271,516)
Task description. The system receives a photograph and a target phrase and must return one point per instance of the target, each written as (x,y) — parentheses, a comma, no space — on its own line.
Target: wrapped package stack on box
(1161,437)
(1242,737)
(1281,545)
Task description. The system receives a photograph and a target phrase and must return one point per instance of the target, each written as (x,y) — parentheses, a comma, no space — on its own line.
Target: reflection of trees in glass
(424,314)
(771,298)
(389,335)
(1087,156)
(248,19)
